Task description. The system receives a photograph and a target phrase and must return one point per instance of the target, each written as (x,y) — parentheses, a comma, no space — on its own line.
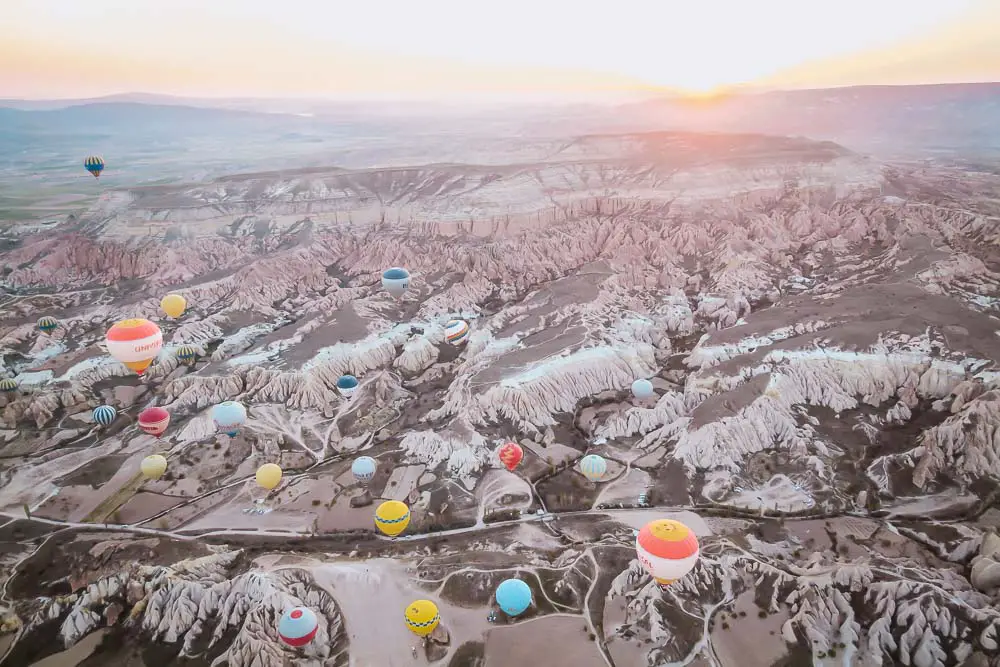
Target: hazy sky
(429,48)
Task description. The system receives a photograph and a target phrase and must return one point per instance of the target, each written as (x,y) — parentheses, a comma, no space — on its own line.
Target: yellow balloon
(153,466)
(422,617)
(269,476)
(173,305)
(392,517)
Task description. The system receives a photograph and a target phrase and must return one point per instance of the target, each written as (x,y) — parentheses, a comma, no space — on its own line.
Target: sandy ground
(373,596)
(402,482)
(625,489)
(232,516)
(143,505)
(749,641)
(75,654)
(555,452)
(561,639)
(623,651)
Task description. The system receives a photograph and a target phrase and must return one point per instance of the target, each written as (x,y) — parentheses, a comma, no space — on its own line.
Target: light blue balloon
(396,281)
(104,414)
(346,385)
(364,468)
(229,416)
(513,596)
(642,389)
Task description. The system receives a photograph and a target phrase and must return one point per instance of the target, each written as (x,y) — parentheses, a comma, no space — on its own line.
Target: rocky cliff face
(819,330)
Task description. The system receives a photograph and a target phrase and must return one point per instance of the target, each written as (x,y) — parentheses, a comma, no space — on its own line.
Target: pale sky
(434,48)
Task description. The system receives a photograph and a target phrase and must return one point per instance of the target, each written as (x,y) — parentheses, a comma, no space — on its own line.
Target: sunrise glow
(69,48)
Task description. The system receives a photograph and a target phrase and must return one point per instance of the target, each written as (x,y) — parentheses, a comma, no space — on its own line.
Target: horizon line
(650,91)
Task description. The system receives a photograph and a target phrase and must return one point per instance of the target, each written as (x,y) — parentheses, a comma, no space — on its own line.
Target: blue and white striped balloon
(104,414)
(364,468)
(593,467)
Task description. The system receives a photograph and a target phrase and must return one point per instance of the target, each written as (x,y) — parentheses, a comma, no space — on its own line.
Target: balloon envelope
(154,421)
(510,455)
(135,343)
(392,517)
(396,281)
(346,384)
(364,468)
(268,476)
(298,626)
(47,324)
(173,305)
(456,331)
(8,385)
(593,467)
(513,596)
(104,414)
(642,389)
(667,549)
(153,466)
(94,164)
(229,416)
(186,352)
(422,617)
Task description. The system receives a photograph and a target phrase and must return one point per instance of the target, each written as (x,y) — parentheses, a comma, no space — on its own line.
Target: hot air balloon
(513,596)
(269,476)
(392,517)
(346,385)
(396,281)
(510,454)
(8,385)
(667,549)
(173,305)
(364,468)
(48,324)
(95,165)
(135,343)
(186,353)
(229,416)
(154,421)
(104,414)
(456,331)
(422,617)
(298,626)
(593,467)
(153,466)
(642,389)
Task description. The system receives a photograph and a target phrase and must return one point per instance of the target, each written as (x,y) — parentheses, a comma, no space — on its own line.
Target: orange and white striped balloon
(667,549)
(135,343)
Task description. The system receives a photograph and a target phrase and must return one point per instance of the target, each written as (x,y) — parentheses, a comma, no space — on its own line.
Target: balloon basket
(664,585)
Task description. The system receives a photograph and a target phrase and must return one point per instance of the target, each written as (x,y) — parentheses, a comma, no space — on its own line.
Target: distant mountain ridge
(294,105)
(887,120)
